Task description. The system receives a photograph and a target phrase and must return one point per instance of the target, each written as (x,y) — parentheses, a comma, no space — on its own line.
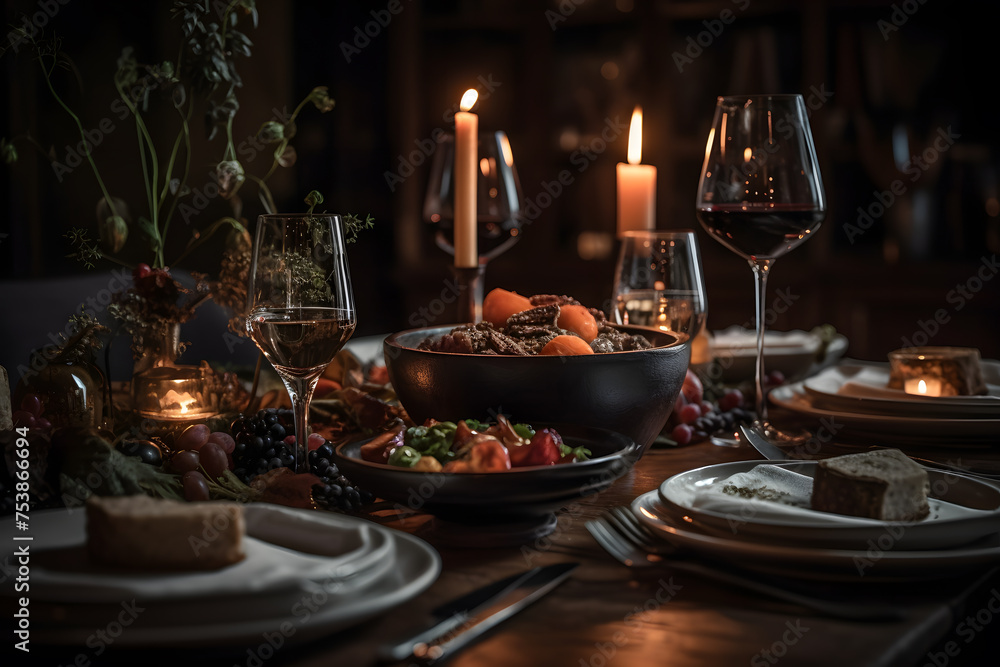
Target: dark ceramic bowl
(521,493)
(628,392)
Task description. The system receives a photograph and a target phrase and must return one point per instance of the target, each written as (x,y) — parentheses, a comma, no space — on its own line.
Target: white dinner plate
(303,608)
(962,510)
(895,429)
(873,563)
(281,550)
(794,353)
(863,387)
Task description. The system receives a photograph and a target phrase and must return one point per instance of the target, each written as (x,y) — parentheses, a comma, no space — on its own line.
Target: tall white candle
(636,184)
(466,163)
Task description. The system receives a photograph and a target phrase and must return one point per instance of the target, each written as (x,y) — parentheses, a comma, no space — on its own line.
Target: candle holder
(175,393)
(937,371)
(469,283)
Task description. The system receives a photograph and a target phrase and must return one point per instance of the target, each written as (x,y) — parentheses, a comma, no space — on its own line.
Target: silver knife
(761,444)
(465,619)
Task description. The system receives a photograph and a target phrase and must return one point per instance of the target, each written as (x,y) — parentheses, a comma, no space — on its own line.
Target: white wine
(681,314)
(300,342)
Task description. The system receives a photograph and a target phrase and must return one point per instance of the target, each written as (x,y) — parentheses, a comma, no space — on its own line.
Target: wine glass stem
(761,269)
(300,390)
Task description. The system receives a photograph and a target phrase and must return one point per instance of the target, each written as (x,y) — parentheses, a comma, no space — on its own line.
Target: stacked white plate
(306,574)
(856,395)
(691,511)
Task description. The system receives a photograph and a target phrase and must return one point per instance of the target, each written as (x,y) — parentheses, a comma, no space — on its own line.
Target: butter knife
(463,620)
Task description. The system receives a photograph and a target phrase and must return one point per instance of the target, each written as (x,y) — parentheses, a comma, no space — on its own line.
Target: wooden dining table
(608,614)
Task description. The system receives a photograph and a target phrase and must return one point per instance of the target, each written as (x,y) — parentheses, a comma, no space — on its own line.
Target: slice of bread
(140,532)
(881,484)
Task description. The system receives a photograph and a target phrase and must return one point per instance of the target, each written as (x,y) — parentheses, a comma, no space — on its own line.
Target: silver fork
(619,532)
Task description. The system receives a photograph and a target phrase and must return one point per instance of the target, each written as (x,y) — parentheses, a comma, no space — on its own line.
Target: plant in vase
(202,77)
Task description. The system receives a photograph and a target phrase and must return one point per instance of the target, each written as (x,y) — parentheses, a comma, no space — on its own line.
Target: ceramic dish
(794,353)
(276,558)
(898,430)
(963,510)
(216,615)
(871,564)
(860,387)
(498,496)
(630,392)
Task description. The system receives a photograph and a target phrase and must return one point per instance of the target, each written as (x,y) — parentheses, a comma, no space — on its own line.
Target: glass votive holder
(175,393)
(937,371)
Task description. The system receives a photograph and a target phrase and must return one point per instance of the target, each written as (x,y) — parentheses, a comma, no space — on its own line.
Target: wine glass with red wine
(498,196)
(760,192)
(301,305)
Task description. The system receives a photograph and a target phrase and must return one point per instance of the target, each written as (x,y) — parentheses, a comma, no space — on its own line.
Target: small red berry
(689,413)
(731,399)
(315,441)
(682,434)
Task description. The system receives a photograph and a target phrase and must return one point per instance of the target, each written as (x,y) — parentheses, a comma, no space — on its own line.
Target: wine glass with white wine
(301,305)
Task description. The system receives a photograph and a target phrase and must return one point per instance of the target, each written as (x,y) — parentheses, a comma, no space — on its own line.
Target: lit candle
(466,164)
(923,387)
(636,184)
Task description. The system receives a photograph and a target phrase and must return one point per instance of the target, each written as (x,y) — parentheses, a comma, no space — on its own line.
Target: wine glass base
(733,440)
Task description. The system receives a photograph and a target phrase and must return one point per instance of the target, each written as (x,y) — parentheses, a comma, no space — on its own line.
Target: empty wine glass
(659,282)
(760,192)
(301,305)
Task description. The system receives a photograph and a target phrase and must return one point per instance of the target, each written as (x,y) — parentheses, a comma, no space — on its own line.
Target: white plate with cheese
(962,509)
(871,563)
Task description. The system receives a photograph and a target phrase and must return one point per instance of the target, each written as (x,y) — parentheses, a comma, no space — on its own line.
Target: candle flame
(747,154)
(635,137)
(921,387)
(469,99)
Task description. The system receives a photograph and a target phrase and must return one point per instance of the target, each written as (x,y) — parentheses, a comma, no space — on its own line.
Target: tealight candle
(923,386)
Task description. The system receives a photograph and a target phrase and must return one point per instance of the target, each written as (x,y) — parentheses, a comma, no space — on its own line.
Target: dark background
(560,72)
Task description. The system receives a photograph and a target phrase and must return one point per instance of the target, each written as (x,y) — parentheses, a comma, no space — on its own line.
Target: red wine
(760,231)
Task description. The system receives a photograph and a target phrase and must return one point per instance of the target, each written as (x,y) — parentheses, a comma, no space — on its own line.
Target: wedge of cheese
(140,532)
(881,484)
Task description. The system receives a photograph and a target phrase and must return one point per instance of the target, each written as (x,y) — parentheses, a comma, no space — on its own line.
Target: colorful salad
(471,446)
